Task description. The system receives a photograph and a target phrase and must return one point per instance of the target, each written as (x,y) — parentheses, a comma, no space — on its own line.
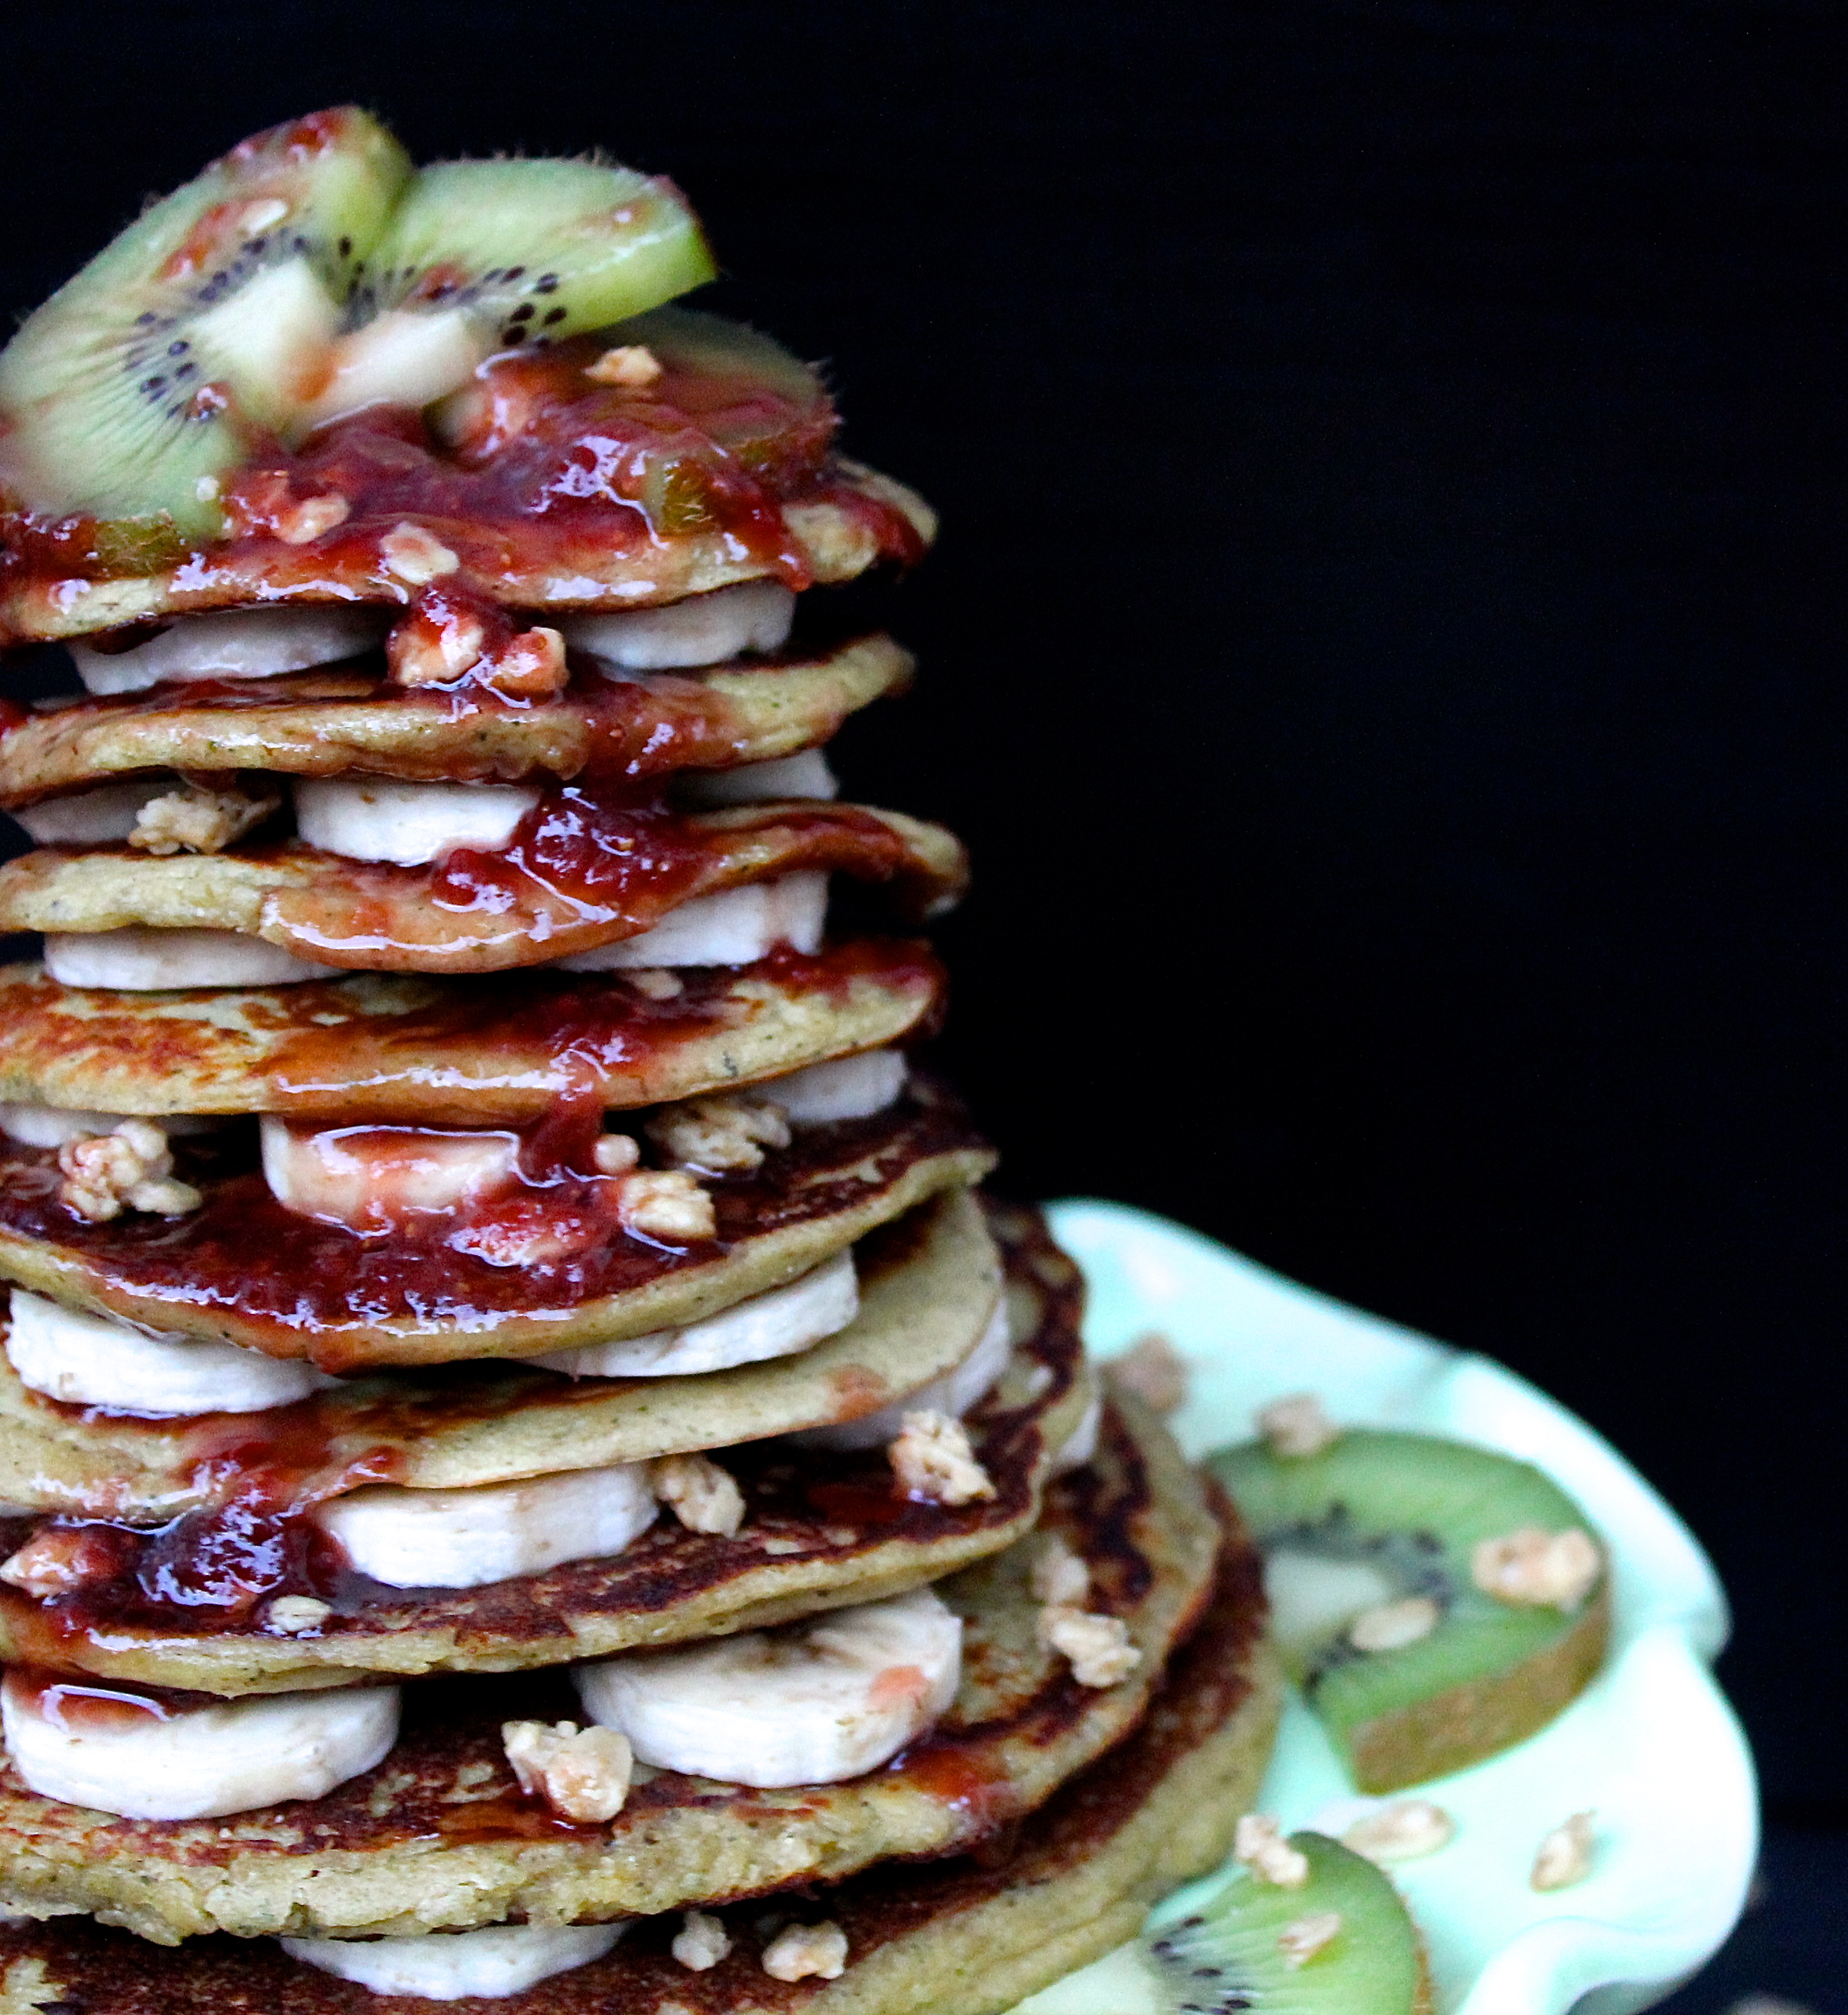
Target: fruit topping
(1305,1927)
(1436,1603)
(307,276)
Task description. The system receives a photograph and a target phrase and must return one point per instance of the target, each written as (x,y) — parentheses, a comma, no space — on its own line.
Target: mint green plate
(1652,1746)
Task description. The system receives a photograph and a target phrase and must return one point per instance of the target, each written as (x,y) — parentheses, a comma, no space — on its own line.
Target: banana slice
(373,1178)
(459,1966)
(844,1088)
(805,774)
(148,962)
(813,1703)
(778,1323)
(1081,1444)
(235,644)
(955,1393)
(702,630)
(88,1360)
(367,818)
(92,818)
(737,927)
(130,1754)
(52,1125)
(465,1538)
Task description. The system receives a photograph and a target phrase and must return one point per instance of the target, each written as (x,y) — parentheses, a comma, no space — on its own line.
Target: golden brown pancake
(437,1837)
(821,1529)
(971,1934)
(477,912)
(845,524)
(346,720)
(928,1287)
(543,1269)
(492,1051)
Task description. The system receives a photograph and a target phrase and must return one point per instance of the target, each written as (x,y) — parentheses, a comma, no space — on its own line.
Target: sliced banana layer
(52,1125)
(92,818)
(702,630)
(820,1304)
(953,1393)
(467,1538)
(814,1704)
(149,961)
(806,775)
(459,1966)
(843,1088)
(132,1754)
(235,644)
(91,1360)
(736,927)
(379,1179)
(370,818)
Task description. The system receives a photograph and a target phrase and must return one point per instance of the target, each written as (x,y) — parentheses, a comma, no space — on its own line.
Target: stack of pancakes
(530,1469)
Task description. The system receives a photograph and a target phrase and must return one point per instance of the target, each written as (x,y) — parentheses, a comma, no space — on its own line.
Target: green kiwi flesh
(1377,1516)
(310,272)
(1228,1955)
(535,250)
(130,394)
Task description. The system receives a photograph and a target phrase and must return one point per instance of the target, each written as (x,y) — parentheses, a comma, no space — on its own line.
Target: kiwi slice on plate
(131,392)
(1332,1939)
(482,256)
(1437,1603)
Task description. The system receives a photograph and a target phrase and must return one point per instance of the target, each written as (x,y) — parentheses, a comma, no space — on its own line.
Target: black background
(1386,646)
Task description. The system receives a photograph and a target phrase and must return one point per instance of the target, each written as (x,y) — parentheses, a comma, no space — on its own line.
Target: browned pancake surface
(494,1050)
(821,1528)
(581,873)
(437,1835)
(345,720)
(956,1936)
(245,1269)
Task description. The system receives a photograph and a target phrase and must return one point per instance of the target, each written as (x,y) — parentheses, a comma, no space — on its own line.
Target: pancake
(436,1837)
(496,1051)
(969,1935)
(347,720)
(619,874)
(928,1286)
(846,522)
(243,1268)
(821,1529)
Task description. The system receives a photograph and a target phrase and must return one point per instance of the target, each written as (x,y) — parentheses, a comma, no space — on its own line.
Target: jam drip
(304,1284)
(538,471)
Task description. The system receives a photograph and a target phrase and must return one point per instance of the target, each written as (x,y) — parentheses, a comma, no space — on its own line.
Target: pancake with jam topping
(928,1287)
(971,1934)
(822,1530)
(549,1265)
(348,720)
(581,872)
(546,487)
(437,1836)
(495,1051)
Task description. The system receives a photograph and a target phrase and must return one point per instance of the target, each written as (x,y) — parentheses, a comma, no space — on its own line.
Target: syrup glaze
(212,1569)
(548,474)
(305,1282)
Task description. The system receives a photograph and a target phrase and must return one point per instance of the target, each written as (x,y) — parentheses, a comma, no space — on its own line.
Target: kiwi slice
(131,392)
(309,273)
(1259,1944)
(535,249)
(1385,1527)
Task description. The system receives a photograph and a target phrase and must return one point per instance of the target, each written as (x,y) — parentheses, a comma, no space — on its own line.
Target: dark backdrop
(1385,644)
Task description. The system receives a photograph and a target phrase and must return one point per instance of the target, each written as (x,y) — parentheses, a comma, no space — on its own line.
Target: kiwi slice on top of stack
(309,273)
(1309,1928)
(1437,1603)
(135,388)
